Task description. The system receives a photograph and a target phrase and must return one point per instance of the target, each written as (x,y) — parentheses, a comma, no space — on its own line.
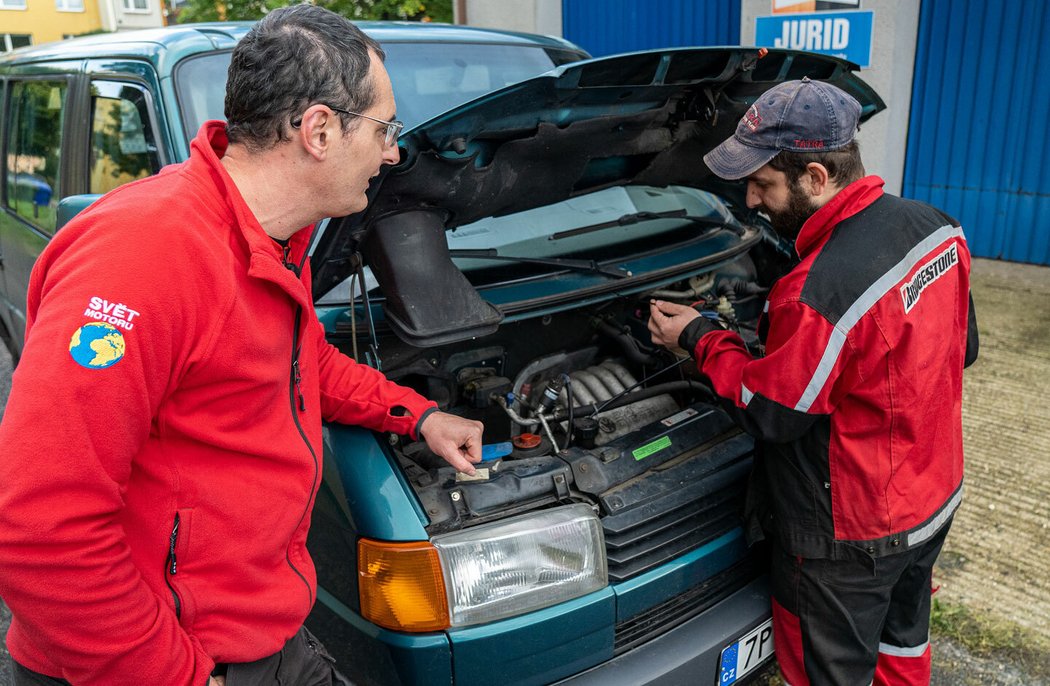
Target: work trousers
(854,622)
(303,661)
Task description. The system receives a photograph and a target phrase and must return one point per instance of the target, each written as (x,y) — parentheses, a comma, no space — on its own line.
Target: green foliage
(236,10)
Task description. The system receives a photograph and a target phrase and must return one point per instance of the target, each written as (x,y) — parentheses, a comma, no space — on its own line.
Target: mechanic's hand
(217,681)
(455,439)
(666,322)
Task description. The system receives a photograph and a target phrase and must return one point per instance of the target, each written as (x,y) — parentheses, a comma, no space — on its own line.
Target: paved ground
(997,559)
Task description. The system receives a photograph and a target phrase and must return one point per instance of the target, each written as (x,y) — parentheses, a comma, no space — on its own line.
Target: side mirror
(71,206)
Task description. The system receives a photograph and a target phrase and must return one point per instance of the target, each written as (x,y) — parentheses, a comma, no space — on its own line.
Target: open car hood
(641,118)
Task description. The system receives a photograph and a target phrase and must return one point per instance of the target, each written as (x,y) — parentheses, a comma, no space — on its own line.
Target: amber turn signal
(401,585)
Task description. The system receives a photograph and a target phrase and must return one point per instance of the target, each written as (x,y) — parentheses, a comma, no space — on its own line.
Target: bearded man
(857,403)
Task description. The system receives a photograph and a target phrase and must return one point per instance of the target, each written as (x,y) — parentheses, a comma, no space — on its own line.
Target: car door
(34,117)
(54,151)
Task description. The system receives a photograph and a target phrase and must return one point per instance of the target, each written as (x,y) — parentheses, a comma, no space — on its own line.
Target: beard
(788,222)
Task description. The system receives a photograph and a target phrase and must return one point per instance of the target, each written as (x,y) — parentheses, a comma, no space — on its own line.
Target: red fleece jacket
(161,447)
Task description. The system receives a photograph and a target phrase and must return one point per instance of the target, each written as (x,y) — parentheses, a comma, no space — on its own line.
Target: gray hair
(295,57)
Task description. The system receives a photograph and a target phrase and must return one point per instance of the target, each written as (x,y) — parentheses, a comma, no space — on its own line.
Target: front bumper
(689,654)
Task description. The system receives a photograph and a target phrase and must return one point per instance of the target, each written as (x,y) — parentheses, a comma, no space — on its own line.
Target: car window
(428,78)
(123,144)
(431,78)
(614,222)
(33,154)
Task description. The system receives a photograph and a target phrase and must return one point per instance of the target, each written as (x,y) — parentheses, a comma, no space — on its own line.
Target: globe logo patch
(97,346)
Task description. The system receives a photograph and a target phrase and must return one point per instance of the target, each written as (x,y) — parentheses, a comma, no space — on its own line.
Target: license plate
(745,654)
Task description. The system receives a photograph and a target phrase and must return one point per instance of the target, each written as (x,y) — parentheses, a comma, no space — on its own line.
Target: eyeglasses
(393,128)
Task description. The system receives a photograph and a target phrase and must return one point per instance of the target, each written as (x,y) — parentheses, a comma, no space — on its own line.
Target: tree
(236,10)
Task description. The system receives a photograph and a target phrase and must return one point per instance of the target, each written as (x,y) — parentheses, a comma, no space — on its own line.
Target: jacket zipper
(297,377)
(297,381)
(298,404)
(171,566)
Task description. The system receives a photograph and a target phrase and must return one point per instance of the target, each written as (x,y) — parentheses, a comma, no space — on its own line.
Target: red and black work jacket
(857,402)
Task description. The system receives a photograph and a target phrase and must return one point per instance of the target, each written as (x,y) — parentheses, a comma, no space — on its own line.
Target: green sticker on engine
(651,448)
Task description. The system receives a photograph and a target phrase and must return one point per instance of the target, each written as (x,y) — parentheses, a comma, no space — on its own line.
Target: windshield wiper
(576,265)
(634,218)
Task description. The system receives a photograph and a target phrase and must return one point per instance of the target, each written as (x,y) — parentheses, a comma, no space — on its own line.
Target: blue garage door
(977,140)
(605,27)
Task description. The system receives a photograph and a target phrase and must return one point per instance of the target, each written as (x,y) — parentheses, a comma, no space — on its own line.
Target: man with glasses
(158,469)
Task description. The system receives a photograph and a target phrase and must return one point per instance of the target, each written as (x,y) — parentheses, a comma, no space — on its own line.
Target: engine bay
(580,406)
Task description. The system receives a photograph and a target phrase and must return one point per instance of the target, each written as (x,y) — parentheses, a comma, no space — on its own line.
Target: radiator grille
(662,618)
(680,519)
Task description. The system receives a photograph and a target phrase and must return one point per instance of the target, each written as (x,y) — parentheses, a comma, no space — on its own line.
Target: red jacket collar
(846,203)
(206,151)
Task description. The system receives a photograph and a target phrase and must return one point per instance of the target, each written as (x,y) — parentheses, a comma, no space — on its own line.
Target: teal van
(503,269)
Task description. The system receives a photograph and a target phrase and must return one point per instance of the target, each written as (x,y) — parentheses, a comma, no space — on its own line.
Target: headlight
(522,564)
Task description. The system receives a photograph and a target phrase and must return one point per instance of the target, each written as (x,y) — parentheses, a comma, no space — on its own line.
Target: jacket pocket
(794,496)
(178,545)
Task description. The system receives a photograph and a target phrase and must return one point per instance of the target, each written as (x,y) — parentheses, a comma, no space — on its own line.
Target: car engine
(580,406)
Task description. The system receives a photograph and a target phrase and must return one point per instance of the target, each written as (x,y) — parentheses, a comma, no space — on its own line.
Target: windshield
(428,78)
(609,225)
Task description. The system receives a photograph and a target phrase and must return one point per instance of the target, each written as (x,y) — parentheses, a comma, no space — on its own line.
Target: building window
(12,4)
(69,5)
(133,6)
(13,41)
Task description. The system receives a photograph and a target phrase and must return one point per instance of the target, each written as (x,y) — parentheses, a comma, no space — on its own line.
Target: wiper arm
(634,218)
(566,263)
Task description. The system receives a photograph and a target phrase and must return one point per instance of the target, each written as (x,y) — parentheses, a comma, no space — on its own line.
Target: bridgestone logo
(927,274)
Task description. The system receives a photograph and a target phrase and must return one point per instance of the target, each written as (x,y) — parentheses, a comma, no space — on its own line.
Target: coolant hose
(628,343)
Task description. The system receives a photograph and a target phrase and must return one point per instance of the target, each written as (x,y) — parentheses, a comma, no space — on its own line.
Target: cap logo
(803,143)
(753,119)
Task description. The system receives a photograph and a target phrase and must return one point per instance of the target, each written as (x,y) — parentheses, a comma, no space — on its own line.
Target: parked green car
(503,269)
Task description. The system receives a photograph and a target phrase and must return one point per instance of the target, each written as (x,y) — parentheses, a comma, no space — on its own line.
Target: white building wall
(883,139)
(124,15)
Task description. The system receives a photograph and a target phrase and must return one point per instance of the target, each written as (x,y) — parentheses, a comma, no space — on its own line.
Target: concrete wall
(883,138)
(530,16)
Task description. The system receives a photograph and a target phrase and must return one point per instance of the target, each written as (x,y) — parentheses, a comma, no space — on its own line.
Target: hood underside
(643,118)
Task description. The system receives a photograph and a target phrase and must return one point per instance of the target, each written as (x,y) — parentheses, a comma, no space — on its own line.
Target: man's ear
(816,180)
(317,131)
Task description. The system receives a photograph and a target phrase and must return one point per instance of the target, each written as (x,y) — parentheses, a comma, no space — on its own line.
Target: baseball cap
(804,116)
